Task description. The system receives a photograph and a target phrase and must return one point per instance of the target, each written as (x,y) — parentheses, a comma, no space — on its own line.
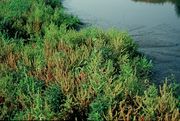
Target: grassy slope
(48,70)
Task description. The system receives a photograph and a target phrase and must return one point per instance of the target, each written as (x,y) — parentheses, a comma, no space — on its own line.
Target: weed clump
(49,70)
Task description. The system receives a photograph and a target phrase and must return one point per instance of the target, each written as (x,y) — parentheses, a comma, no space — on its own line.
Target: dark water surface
(154,25)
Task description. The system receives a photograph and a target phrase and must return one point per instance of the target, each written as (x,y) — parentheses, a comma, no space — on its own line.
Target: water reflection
(175,2)
(177,9)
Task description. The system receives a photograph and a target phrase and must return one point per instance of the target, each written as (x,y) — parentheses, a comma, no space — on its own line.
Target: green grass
(49,70)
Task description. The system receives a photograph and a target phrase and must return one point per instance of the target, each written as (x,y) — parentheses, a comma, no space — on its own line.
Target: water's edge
(158,41)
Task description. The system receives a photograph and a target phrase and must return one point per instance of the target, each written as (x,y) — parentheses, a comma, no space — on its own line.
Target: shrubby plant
(51,70)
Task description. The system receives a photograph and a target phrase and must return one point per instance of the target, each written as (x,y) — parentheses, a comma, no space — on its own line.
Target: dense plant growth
(49,70)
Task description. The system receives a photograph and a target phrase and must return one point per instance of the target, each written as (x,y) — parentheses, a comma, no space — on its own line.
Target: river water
(153,24)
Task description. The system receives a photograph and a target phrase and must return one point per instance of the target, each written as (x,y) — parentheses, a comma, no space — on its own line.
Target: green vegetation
(49,70)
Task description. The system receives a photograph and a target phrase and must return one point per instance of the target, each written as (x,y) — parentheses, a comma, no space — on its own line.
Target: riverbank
(48,70)
(153,25)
